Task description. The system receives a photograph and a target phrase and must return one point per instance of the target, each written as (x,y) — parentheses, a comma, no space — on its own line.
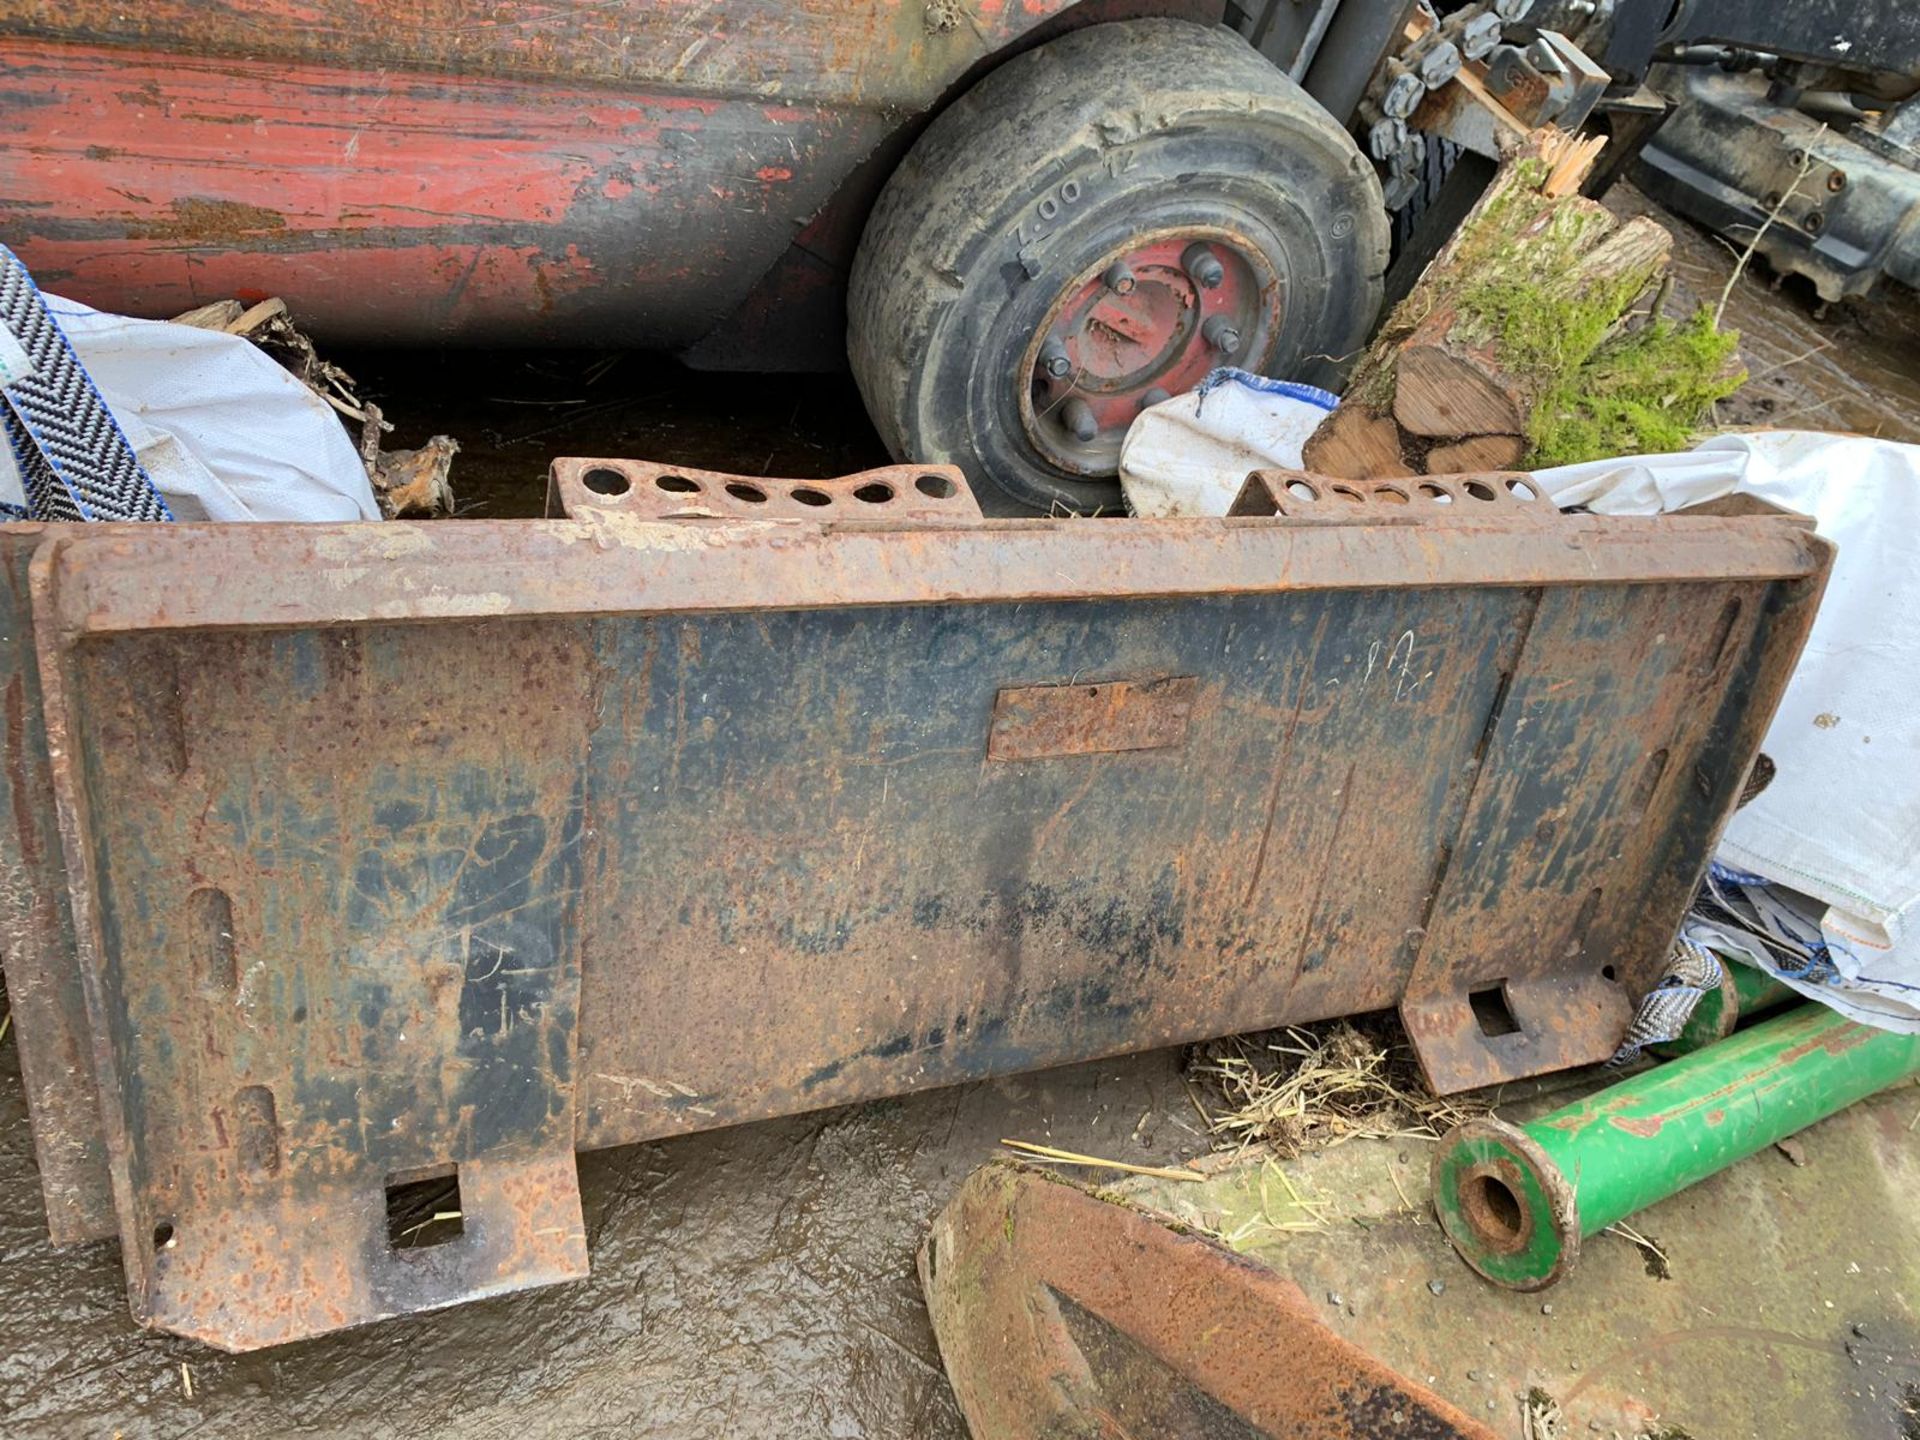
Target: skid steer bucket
(344,855)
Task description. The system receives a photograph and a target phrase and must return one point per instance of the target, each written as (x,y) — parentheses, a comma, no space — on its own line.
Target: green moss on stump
(1516,284)
(1648,391)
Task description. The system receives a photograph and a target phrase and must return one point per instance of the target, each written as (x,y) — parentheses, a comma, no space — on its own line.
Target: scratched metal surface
(36,933)
(800,807)
(336,932)
(843,52)
(397,205)
(351,843)
(1618,752)
(513,173)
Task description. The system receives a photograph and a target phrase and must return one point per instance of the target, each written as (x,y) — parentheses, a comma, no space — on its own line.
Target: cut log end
(1354,443)
(1476,455)
(1441,395)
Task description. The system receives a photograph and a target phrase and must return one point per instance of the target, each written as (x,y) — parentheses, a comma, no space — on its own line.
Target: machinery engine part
(1729,157)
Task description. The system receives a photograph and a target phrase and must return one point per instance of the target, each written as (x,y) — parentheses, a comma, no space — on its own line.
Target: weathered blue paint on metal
(395,847)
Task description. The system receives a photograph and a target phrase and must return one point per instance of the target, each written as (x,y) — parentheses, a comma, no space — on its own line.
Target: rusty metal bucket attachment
(343,854)
(1063,1313)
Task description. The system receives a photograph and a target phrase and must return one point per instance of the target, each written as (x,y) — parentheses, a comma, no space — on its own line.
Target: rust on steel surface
(502,171)
(397,847)
(651,491)
(238,576)
(1038,721)
(36,935)
(1061,1313)
(870,53)
(352,965)
(1413,499)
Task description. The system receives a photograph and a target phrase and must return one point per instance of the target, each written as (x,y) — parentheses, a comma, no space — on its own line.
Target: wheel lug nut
(1078,417)
(1220,334)
(1153,397)
(1055,360)
(1203,265)
(1119,278)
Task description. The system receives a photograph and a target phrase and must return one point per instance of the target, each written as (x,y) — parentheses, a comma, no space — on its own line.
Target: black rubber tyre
(1044,167)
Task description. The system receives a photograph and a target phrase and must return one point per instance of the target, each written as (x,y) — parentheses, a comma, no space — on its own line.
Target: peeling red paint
(397,206)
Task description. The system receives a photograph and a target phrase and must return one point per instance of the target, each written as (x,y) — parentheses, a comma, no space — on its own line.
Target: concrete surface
(1781,1298)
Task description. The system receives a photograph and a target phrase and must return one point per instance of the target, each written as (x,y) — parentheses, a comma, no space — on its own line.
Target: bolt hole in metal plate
(1433,499)
(578,487)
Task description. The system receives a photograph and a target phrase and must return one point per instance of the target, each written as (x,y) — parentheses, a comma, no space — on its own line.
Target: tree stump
(1481,366)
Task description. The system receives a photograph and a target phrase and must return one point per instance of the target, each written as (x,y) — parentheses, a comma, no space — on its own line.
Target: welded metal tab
(1034,722)
(394,848)
(1062,1313)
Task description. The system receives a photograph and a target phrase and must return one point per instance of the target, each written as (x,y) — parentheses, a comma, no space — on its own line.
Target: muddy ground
(757,1281)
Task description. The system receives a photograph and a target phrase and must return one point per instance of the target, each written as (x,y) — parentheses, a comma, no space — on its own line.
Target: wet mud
(1854,366)
(757,1281)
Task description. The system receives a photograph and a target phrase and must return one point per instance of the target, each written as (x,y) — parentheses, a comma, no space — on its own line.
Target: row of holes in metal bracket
(1428,490)
(612,483)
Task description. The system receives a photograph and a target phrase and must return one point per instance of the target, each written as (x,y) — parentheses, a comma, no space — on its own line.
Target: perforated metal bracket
(1301,496)
(646,490)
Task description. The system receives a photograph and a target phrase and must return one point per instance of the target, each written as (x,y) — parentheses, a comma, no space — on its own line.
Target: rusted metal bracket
(1494,104)
(643,490)
(389,849)
(1062,1313)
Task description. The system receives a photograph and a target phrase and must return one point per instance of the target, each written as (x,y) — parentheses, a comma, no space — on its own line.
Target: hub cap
(1147,321)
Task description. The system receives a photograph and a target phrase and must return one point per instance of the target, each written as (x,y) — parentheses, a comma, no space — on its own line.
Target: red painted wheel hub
(1146,322)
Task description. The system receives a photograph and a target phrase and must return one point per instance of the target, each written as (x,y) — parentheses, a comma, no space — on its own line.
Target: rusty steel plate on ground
(449,848)
(1062,1313)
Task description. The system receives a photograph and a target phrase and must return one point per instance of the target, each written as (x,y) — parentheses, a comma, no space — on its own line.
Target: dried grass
(1316,1086)
(1540,1416)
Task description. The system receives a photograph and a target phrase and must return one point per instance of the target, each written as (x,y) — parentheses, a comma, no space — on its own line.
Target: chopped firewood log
(1477,453)
(1519,343)
(1353,443)
(215,316)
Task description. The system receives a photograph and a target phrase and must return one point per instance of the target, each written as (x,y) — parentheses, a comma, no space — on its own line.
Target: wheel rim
(1147,320)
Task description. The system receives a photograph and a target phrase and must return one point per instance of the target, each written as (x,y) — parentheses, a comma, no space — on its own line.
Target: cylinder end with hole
(1505,1205)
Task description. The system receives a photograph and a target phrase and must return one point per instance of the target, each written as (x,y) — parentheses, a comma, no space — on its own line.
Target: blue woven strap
(74,462)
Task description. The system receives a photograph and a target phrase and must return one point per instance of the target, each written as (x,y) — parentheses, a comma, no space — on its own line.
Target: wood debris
(405,482)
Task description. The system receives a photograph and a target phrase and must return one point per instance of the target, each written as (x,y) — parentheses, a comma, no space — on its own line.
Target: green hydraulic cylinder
(1517,1200)
(1743,994)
